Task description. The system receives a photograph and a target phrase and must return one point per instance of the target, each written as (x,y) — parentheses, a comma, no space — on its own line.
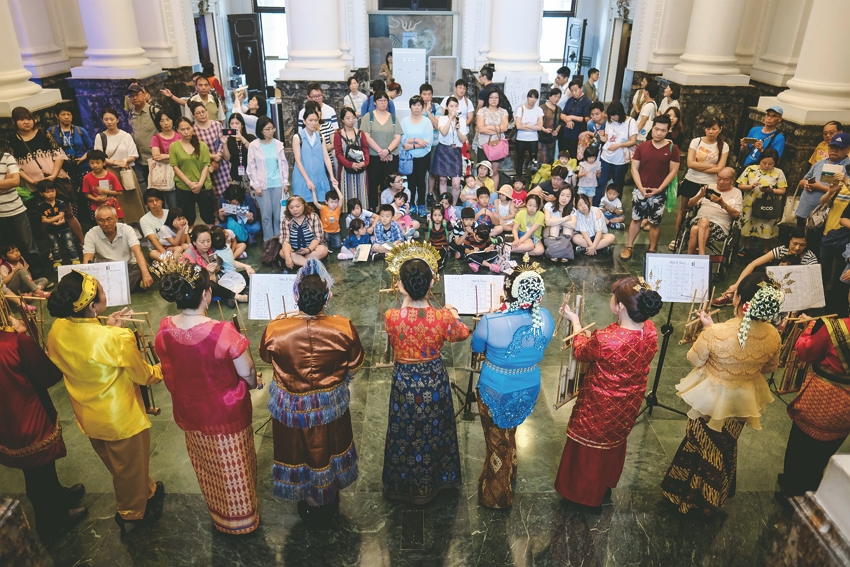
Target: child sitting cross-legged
(224,253)
(15,273)
(462,231)
(357,235)
(387,232)
(480,250)
(174,234)
(439,234)
(53,212)
(356,211)
(245,224)
(402,216)
(485,213)
(612,207)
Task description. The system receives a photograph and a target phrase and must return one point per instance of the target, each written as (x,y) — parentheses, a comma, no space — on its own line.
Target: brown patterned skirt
(226,466)
(495,488)
(702,474)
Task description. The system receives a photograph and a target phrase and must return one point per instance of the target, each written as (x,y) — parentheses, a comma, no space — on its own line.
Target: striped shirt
(313,225)
(10,201)
(592,223)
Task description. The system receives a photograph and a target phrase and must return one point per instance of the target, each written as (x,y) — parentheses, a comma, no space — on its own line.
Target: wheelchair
(721,252)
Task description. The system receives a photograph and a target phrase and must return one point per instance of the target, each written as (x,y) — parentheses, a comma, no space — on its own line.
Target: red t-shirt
(91,184)
(654,162)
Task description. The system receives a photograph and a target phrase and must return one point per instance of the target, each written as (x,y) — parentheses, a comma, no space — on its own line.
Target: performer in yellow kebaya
(103,369)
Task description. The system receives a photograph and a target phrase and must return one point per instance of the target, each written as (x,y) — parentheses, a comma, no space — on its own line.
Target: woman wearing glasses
(268,172)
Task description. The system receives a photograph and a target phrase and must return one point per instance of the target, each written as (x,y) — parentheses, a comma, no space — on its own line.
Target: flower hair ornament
(413,250)
(764,306)
(312,267)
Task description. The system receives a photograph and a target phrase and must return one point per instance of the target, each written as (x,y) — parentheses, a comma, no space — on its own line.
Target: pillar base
(804,116)
(43,99)
(314,74)
(681,78)
(115,73)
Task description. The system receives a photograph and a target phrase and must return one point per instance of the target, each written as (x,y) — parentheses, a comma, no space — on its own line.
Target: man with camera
(718,207)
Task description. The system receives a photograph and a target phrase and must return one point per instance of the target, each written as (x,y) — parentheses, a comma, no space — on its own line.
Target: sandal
(627,253)
(672,245)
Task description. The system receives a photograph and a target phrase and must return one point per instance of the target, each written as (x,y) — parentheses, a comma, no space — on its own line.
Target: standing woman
(301,234)
(234,149)
(513,341)
(268,172)
(448,159)
(618,138)
(352,154)
(103,370)
(383,135)
(74,141)
(560,226)
(725,390)
(671,98)
(160,144)
(547,137)
(417,137)
(491,122)
(312,163)
(706,157)
(314,356)
(190,159)
(201,253)
(209,132)
(759,180)
(676,133)
(121,153)
(386,72)
(354,99)
(611,394)
(208,370)
(421,455)
(251,110)
(529,123)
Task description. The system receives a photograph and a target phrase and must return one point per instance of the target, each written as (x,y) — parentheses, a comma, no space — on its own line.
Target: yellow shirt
(102,368)
(833,219)
(488,183)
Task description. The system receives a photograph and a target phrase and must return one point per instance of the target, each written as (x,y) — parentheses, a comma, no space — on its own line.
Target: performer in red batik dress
(611,394)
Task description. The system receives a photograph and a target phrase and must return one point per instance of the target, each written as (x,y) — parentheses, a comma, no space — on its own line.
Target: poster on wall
(433,33)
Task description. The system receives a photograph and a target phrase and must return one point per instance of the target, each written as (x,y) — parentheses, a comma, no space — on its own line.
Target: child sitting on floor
(15,273)
(356,211)
(612,208)
(357,235)
(244,224)
(403,218)
(480,250)
(439,234)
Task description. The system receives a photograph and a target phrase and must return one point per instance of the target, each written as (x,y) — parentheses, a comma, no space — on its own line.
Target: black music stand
(652,397)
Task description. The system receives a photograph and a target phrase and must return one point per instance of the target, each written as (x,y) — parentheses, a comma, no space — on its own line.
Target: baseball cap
(134,88)
(840,140)
(777,109)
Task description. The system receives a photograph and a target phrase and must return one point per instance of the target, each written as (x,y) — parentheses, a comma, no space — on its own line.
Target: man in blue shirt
(767,136)
(574,116)
(813,185)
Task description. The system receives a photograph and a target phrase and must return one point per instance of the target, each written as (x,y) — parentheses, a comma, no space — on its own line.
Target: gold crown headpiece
(87,293)
(168,263)
(527,267)
(643,285)
(413,250)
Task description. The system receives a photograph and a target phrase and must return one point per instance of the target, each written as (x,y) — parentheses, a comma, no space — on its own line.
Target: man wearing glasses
(329,123)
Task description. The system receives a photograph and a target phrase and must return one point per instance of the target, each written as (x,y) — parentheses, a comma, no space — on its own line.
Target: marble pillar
(669,34)
(752,35)
(820,88)
(114,49)
(314,56)
(16,89)
(154,36)
(709,57)
(786,23)
(40,51)
(516,48)
(69,29)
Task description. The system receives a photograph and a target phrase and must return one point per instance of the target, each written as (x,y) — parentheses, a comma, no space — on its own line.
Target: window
(553,39)
(275,37)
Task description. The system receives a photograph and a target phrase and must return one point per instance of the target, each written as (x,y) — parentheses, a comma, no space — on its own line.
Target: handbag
(767,207)
(672,189)
(128,179)
(789,211)
(160,175)
(405,162)
(496,150)
(817,218)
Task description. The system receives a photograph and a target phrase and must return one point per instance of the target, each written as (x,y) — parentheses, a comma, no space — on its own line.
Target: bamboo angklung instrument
(572,371)
(795,370)
(145,344)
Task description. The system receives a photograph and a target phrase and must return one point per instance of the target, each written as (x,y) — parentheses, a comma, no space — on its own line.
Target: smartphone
(749,141)
(230,131)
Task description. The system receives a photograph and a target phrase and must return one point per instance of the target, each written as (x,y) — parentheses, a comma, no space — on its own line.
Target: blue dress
(510,377)
(313,160)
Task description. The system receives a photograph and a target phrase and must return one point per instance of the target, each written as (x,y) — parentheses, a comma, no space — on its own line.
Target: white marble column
(709,57)
(167,32)
(757,15)
(41,53)
(68,29)
(820,88)
(515,36)
(314,38)
(475,38)
(114,50)
(666,30)
(16,89)
(780,50)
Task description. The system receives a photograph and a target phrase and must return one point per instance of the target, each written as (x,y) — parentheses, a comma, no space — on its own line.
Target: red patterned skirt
(585,473)
(226,466)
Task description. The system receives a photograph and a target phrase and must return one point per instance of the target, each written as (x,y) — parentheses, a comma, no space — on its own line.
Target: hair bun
(173,288)
(649,303)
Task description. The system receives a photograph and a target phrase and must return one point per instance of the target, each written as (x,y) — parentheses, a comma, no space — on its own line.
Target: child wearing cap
(505,207)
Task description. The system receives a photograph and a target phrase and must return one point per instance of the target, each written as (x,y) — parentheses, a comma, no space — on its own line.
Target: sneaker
(617,225)
(580,250)
(242,256)
(415,234)
(409,234)
(57,264)
(473,266)
(672,245)
(74,262)
(495,268)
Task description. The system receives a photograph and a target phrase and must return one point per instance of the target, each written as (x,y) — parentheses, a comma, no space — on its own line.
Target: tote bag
(789,211)
(405,162)
(497,149)
(160,175)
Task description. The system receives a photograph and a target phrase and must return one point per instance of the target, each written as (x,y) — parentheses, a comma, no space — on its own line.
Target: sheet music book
(679,274)
(464,291)
(269,291)
(240,211)
(802,285)
(361,254)
(112,277)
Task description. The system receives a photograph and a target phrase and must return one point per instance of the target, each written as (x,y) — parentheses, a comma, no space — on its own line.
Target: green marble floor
(633,528)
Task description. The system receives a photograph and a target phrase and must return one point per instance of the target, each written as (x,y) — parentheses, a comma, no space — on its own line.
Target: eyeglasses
(269,129)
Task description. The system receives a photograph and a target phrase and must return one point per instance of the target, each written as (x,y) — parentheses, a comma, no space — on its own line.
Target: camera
(230,131)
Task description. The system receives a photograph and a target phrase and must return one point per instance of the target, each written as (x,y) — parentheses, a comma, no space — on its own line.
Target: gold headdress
(168,263)
(526,267)
(89,290)
(413,250)
(643,285)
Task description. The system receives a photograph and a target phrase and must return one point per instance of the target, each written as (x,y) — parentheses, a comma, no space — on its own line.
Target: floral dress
(759,228)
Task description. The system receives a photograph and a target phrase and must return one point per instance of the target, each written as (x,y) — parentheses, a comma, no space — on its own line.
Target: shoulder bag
(767,207)
(789,211)
(126,174)
(672,188)
(817,218)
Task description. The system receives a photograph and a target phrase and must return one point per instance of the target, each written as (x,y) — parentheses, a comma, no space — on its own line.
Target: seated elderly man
(113,241)
(718,207)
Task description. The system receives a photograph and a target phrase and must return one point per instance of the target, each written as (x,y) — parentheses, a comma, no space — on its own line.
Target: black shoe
(75,494)
(74,516)
(579,250)
(159,493)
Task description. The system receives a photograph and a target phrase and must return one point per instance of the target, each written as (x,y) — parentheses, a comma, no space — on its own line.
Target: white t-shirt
(557,230)
(618,133)
(649,109)
(450,138)
(152,225)
(464,109)
(704,153)
(715,213)
(10,201)
(610,206)
(388,197)
(119,146)
(667,105)
(529,118)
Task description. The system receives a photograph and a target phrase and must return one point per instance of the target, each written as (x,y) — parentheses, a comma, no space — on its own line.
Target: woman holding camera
(352,156)
(448,161)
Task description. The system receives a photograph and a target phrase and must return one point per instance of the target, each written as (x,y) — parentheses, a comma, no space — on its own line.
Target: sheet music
(362,253)
(462,291)
(112,277)
(679,274)
(802,285)
(268,290)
